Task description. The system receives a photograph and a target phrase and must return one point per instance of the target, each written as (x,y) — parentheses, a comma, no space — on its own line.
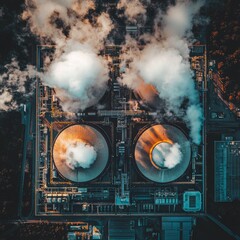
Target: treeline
(223,42)
(43,231)
(11,139)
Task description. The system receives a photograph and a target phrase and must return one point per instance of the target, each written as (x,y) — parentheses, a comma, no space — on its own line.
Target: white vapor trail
(78,73)
(164,63)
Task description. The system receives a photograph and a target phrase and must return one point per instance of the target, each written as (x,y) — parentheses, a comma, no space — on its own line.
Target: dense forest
(46,231)
(11,132)
(223,44)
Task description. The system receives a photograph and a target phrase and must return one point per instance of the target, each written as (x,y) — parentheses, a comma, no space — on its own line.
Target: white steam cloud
(5,100)
(78,72)
(194,117)
(42,16)
(180,18)
(169,72)
(164,63)
(15,83)
(167,155)
(80,154)
(78,75)
(133,9)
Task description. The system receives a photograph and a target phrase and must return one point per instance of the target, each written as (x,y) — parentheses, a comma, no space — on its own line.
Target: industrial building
(227,170)
(128,148)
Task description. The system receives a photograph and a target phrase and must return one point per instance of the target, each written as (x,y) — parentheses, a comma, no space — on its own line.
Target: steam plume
(167,155)
(80,154)
(179,18)
(164,63)
(78,75)
(14,83)
(6,100)
(77,71)
(133,9)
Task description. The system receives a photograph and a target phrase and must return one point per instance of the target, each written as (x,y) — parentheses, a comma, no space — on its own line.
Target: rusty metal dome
(91,137)
(152,149)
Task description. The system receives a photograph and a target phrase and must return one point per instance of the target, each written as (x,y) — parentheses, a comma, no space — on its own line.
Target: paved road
(26,118)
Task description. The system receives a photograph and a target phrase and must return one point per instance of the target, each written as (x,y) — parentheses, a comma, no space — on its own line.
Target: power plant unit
(75,135)
(152,151)
(120,158)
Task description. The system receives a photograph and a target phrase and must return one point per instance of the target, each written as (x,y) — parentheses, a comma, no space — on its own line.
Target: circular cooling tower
(162,153)
(80,153)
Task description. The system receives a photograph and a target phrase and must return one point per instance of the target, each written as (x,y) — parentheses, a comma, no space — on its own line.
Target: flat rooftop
(227,170)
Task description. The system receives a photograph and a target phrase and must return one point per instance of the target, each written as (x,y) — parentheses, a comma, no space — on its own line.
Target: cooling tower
(162,153)
(80,153)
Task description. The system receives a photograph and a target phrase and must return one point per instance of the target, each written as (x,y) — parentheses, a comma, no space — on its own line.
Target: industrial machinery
(162,153)
(76,145)
(123,158)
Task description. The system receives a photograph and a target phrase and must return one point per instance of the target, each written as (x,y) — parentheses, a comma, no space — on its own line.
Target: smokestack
(162,153)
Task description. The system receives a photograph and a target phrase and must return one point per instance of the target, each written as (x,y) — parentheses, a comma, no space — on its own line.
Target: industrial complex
(120,120)
(126,146)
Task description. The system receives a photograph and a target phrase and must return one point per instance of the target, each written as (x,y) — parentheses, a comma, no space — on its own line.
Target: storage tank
(80,153)
(162,153)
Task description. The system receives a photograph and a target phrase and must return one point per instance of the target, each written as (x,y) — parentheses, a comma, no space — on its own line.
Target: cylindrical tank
(162,153)
(80,153)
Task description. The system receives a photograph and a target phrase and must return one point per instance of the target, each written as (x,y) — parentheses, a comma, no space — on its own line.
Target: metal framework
(120,189)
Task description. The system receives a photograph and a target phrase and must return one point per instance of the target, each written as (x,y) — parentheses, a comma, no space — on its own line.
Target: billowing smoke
(50,19)
(6,100)
(78,73)
(59,22)
(167,155)
(133,9)
(169,72)
(179,19)
(164,64)
(77,40)
(80,154)
(194,117)
(15,83)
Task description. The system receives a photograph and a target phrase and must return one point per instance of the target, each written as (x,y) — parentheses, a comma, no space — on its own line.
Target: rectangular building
(227,170)
(177,228)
